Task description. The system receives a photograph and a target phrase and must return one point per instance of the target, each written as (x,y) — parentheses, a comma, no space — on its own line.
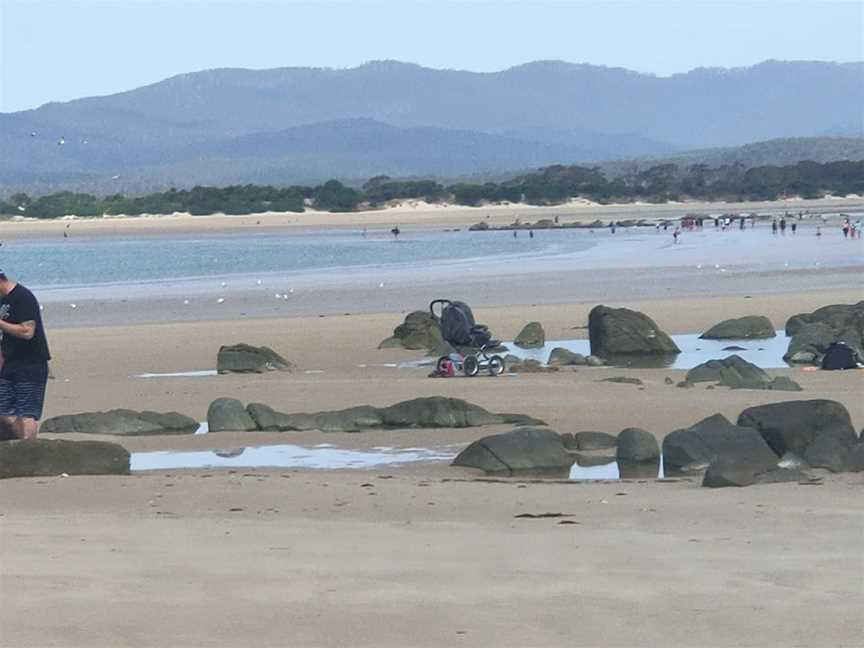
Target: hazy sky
(58,50)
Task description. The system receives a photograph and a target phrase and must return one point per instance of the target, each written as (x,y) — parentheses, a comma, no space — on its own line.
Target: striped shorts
(22,390)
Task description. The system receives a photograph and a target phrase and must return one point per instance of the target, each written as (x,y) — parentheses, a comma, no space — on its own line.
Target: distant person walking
(25,356)
(783,225)
(774,226)
(794,227)
(846,228)
(530,233)
(676,234)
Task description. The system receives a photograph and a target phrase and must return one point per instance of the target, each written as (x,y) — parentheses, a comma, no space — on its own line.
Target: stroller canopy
(839,356)
(458,326)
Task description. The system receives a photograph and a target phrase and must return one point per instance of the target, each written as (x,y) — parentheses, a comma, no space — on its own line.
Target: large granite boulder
(588,441)
(421,330)
(229,415)
(560,357)
(713,438)
(791,426)
(532,336)
(736,373)
(621,331)
(814,332)
(46,457)
(742,328)
(120,422)
(429,412)
(524,449)
(243,358)
(636,446)
(724,473)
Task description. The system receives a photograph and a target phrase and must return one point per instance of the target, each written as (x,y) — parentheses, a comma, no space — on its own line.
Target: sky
(54,50)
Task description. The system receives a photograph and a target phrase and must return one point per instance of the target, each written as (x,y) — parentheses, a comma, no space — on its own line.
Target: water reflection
(616,470)
(283,456)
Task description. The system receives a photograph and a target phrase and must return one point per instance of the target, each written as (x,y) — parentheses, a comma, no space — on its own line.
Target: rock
(524,449)
(736,373)
(532,336)
(482,226)
(794,425)
(814,332)
(120,422)
(733,372)
(594,441)
(668,381)
(621,331)
(431,412)
(803,357)
(636,446)
(229,415)
(721,474)
(625,380)
(420,330)
(811,338)
(520,420)
(437,411)
(563,357)
(649,469)
(716,438)
(856,458)
(684,385)
(742,328)
(830,451)
(46,457)
(589,461)
(594,361)
(243,358)
(528,366)
(784,383)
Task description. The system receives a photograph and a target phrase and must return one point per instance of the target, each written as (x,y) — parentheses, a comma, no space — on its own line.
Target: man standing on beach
(25,356)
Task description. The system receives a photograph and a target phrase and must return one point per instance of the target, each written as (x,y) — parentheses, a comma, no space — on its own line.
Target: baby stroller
(459,329)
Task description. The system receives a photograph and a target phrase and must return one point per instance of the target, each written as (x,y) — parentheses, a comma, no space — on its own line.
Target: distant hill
(778,152)
(294,124)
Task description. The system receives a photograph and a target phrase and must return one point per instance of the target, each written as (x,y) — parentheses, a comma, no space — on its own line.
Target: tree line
(547,186)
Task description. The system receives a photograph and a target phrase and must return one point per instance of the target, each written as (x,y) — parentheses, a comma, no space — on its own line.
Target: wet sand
(424,554)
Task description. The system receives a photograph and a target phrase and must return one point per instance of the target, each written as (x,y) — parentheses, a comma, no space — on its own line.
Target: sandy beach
(424,554)
(413,214)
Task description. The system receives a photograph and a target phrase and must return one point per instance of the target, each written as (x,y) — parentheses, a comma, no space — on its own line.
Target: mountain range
(291,125)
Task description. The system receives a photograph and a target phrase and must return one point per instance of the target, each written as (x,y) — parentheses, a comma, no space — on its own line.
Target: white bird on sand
(381,285)
(221,300)
(61,141)
(74,305)
(259,282)
(224,284)
(285,296)
(32,133)
(291,290)
(278,296)
(186,302)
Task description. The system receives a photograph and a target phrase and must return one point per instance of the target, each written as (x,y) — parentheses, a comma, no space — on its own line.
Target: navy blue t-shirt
(20,306)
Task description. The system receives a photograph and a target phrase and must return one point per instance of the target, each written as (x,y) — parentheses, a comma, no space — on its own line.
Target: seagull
(61,141)
(186,302)
(116,177)
(221,300)
(74,305)
(291,290)
(259,282)
(224,284)
(381,285)
(32,133)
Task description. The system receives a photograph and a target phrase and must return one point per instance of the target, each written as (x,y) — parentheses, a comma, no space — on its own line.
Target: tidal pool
(766,353)
(284,456)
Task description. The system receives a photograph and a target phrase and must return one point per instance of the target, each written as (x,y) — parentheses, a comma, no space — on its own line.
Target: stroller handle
(443,302)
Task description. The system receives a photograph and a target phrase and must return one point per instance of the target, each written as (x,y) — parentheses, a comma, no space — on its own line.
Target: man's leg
(26,428)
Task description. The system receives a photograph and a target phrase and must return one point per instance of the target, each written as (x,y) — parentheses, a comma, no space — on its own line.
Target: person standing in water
(25,356)
(395,232)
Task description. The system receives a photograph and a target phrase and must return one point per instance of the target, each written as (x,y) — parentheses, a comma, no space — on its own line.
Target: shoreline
(421,215)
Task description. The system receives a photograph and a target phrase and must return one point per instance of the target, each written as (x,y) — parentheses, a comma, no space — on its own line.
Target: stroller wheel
(496,365)
(471,365)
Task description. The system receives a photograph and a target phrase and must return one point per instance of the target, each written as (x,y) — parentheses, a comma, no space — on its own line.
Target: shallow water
(204,373)
(322,456)
(615,470)
(767,353)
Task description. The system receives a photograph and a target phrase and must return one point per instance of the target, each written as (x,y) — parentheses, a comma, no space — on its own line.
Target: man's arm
(24,330)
